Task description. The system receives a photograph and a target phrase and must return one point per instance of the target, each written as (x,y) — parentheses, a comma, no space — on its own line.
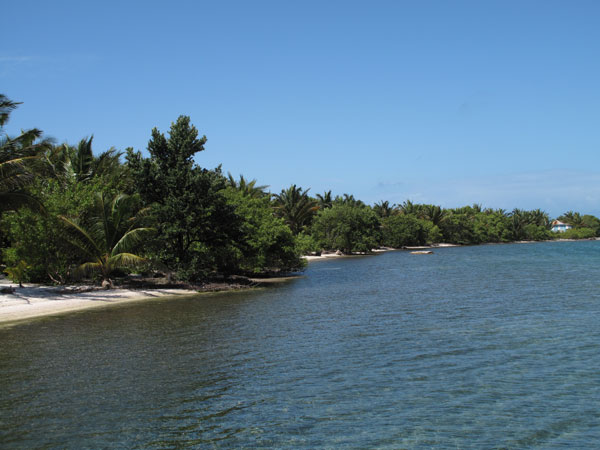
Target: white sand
(331,255)
(32,301)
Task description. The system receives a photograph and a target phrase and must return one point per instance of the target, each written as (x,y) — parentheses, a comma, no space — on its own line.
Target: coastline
(35,301)
(334,255)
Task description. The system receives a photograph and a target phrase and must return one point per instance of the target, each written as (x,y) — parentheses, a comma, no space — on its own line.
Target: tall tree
(325,200)
(383,209)
(247,187)
(17,157)
(196,225)
(76,164)
(295,207)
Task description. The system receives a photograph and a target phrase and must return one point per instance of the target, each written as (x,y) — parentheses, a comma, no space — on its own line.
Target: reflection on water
(478,347)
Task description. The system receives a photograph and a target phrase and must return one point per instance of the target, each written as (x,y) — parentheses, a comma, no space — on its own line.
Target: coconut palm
(113,232)
(435,214)
(519,219)
(78,164)
(325,201)
(348,199)
(17,156)
(248,188)
(572,218)
(295,207)
(540,218)
(383,209)
(409,207)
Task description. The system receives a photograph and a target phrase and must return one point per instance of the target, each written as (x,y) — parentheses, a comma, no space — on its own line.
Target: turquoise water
(478,347)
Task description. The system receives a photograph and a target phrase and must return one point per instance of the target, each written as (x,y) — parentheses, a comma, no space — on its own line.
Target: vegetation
(66,212)
(114,230)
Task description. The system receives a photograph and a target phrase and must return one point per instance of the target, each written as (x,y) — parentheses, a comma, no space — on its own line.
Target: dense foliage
(67,213)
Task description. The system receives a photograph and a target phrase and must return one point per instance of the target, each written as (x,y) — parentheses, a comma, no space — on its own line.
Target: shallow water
(479,347)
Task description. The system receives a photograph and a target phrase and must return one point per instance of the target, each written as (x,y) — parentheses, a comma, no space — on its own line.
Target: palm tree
(383,209)
(295,207)
(248,188)
(78,164)
(325,201)
(518,221)
(540,218)
(409,207)
(434,213)
(348,199)
(572,218)
(17,156)
(112,233)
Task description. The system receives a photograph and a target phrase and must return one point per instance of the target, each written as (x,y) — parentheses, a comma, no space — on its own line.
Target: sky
(443,102)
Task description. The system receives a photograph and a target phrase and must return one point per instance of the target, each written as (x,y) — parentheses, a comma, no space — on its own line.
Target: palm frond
(126,260)
(90,241)
(88,268)
(14,200)
(131,239)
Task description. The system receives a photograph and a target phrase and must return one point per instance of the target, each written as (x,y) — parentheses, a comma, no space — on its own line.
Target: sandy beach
(33,301)
(332,255)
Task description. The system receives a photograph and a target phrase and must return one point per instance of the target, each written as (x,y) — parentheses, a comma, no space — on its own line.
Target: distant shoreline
(334,255)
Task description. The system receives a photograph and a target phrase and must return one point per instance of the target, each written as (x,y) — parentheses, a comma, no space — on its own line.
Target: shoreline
(35,301)
(334,255)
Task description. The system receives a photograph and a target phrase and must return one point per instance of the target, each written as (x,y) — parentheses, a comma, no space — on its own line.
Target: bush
(406,229)
(306,244)
(346,227)
(267,243)
(576,233)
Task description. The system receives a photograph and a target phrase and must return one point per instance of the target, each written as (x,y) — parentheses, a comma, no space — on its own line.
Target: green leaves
(112,230)
(347,228)
(195,225)
(295,207)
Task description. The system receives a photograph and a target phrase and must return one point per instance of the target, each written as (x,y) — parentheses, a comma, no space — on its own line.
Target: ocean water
(493,346)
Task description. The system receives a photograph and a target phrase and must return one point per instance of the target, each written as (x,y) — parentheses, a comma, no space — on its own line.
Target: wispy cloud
(9,64)
(21,64)
(14,59)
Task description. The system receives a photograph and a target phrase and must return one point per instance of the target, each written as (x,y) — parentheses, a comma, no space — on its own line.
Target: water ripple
(478,347)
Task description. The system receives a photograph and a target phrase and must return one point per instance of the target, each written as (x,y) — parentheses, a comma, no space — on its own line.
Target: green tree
(17,158)
(383,209)
(38,238)
(248,188)
(324,200)
(434,213)
(197,228)
(295,207)
(348,199)
(591,222)
(346,228)
(267,244)
(406,230)
(113,232)
(70,164)
(572,218)
(458,228)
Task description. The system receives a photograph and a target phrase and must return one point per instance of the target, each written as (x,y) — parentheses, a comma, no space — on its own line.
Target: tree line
(67,213)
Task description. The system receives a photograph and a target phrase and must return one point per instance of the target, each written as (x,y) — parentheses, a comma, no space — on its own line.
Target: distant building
(560,227)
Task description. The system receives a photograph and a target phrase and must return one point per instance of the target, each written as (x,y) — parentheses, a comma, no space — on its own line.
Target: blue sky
(451,103)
